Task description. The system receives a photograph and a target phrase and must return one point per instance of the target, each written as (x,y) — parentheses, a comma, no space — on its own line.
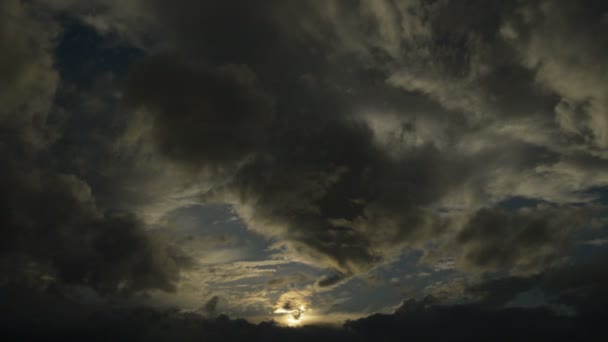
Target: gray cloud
(51,225)
(28,81)
(527,241)
(346,187)
(579,285)
(303,175)
(206,116)
(343,132)
(561,42)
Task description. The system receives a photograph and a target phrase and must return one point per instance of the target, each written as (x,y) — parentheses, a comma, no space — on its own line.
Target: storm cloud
(309,159)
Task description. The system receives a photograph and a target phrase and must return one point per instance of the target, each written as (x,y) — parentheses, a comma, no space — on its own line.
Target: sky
(345,170)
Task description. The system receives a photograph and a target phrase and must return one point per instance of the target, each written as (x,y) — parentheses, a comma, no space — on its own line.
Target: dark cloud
(210,307)
(344,186)
(306,169)
(349,189)
(52,229)
(499,292)
(319,177)
(201,115)
(28,81)
(344,133)
(469,322)
(527,241)
(579,286)
(582,285)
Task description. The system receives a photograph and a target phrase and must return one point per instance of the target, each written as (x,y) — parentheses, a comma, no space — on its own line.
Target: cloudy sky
(389,164)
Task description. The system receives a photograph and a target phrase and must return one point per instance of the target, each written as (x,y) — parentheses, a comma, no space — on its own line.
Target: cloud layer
(337,165)
(464,141)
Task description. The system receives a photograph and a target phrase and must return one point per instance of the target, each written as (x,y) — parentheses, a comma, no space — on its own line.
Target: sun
(293,317)
(292,322)
(295,320)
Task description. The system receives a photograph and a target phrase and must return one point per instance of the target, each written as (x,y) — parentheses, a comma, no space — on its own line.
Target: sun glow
(293,317)
(293,322)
